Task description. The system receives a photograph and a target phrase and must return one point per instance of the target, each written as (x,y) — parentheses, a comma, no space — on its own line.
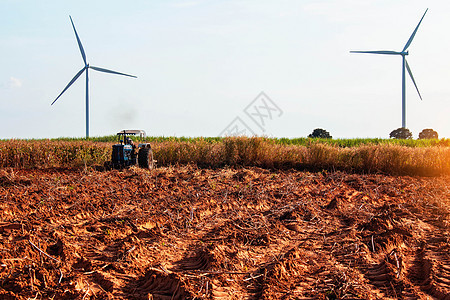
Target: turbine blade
(413,34)
(412,77)
(379,52)
(109,71)
(79,42)
(70,83)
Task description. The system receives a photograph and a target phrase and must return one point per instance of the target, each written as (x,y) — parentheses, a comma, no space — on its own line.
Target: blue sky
(201,63)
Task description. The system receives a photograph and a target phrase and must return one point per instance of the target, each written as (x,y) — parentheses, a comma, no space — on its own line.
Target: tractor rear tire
(145,158)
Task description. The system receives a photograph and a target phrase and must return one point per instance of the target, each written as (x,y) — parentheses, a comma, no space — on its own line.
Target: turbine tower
(86,68)
(405,65)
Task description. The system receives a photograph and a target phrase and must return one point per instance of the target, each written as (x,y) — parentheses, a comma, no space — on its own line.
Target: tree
(401,133)
(428,134)
(320,133)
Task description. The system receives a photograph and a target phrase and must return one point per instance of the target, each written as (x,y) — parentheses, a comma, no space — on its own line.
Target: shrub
(320,133)
(401,133)
(428,134)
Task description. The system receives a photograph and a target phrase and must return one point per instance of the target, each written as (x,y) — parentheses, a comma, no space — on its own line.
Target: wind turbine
(405,65)
(86,68)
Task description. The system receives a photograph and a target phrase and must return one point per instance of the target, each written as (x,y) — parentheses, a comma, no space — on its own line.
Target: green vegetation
(399,157)
(365,141)
(303,141)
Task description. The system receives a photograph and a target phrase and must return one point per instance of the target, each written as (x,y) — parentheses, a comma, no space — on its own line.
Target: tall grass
(262,152)
(42,154)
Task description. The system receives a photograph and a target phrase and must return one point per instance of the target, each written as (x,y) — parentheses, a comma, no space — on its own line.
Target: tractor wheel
(145,158)
(107,165)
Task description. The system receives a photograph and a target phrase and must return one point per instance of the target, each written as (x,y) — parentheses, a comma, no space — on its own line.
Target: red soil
(184,233)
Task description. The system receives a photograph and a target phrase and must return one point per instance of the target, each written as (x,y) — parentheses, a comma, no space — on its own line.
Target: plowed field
(249,233)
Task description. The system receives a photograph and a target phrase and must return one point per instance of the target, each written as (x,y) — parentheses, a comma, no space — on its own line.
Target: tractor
(125,153)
